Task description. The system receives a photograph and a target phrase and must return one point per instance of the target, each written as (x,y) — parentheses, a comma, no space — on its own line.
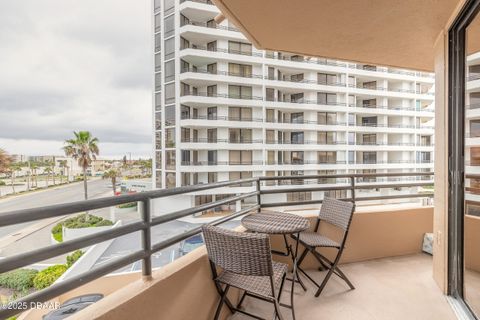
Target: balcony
(388,258)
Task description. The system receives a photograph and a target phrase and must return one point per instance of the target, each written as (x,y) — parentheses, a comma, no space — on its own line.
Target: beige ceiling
(397,33)
(473,36)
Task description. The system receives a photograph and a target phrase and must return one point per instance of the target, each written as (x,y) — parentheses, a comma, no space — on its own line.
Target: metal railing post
(259,198)
(146,239)
(352,184)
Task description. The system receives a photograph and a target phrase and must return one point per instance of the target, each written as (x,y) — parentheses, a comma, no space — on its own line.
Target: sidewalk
(11,196)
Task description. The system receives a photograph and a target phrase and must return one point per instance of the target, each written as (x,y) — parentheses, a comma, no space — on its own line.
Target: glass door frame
(456,151)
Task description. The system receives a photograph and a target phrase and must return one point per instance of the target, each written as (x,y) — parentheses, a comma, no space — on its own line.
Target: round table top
(273,222)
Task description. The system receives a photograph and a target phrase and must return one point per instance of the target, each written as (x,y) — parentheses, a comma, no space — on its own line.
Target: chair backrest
(239,252)
(336,212)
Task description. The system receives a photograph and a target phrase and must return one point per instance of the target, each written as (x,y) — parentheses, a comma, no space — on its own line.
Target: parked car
(72,306)
(190,244)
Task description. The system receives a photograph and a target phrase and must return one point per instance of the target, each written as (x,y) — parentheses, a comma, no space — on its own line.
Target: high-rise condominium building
(225,110)
(472,136)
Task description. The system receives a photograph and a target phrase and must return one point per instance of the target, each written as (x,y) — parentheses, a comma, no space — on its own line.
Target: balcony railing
(259,76)
(221,95)
(299,162)
(473,106)
(222,163)
(387,70)
(210,140)
(223,118)
(397,108)
(228,118)
(378,143)
(473,77)
(377,88)
(208,25)
(243,53)
(301,142)
(199,1)
(148,221)
(302,59)
(316,142)
(381,125)
(223,73)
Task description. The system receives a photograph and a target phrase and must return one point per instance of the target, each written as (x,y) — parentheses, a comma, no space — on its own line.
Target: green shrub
(78,222)
(57,232)
(127,205)
(12,318)
(18,280)
(104,223)
(48,276)
(73,257)
(2,183)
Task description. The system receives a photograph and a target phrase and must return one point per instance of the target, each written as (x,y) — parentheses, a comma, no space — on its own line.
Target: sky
(75,65)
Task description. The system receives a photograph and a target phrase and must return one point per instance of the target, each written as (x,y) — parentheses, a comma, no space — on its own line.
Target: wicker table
(273,222)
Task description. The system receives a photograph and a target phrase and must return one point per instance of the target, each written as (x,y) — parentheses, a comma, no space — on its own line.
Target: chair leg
(220,303)
(281,287)
(344,277)
(277,310)
(324,282)
(336,269)
(291,295)
(302,257)
(227,301)
(332,269)
(323,265)
(241,299)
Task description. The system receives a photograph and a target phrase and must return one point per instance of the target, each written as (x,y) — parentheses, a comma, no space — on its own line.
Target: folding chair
(246,263)
(339,214)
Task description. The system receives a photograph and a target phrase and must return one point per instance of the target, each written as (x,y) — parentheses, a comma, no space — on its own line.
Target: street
(96,189)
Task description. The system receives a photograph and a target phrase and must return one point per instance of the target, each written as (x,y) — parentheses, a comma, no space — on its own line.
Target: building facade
(225,110)
(472,136)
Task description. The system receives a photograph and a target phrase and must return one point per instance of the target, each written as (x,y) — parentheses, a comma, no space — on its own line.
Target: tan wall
(184,289)
(472,239)
(105,285)
(181,290)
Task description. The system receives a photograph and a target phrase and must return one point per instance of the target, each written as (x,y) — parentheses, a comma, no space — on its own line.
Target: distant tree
(146,166)
(33,168)
(14,168)
(112,174)
(48,171)
(51,164)
(83,148)
(29,175)
(5,162)
(64,166)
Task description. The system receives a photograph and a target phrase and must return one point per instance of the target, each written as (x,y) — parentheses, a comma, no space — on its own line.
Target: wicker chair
(339,214)
(246,263)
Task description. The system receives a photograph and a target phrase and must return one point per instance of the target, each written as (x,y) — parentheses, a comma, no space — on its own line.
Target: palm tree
(5,161)
(29,174)
(84,149)
(48,171)
(146,166)
(14,168)
(34,167)
(51,164)
(64,166)
(113,175)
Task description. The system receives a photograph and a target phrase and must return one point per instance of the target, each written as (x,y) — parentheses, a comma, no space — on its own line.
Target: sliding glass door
(464,159)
